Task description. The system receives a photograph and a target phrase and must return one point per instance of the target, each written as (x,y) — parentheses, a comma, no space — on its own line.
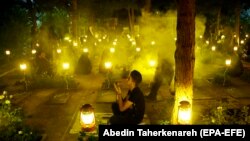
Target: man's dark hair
(136,76)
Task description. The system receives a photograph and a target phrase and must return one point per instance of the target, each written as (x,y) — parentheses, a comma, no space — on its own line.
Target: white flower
(219,108)
(5,92)
(1,97)
(7,101)
(20,132)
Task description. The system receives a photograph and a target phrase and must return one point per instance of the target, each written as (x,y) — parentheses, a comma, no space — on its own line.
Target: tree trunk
(218,30)
(74,20)
(237,23)
(147,6)
(32,12)
(131,20)
(184,54)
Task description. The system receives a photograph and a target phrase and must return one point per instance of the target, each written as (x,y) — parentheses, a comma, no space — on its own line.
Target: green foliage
(11,122)
(15,30)
(84,136)
(220,79)
(53,82)
(245,76)
(224,115)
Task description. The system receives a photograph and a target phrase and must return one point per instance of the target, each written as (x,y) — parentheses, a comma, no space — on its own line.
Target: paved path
(58,118)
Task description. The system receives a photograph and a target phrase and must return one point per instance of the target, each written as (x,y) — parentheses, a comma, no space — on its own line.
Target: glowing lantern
(184,112)
(65,66)
(87,118)
(213,48)
(66,38)
(58,51)
(133,43)
(108,65)
(228,62)
(152,63)
(112,50)
(85,50)
(75,44)
(23,67)
(33,51)
(7,52)
(138,49)
(152,42)
(242,41)
(235,48)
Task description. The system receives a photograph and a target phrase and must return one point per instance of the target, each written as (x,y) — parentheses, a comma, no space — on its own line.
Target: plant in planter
(11,122)
(223,114)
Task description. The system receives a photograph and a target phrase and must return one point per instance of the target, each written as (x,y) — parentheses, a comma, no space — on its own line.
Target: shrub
(11,122)
(222,114)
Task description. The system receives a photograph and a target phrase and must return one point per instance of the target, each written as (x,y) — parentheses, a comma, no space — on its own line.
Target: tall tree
(184,54)
(74,20)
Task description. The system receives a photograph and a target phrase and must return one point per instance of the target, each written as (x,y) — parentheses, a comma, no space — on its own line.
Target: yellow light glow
(104,37)
(7,52)
(223,36)
(85,50)
(175,39)
(246,35)
(152,63)
(114,43)
(201,36)
(228,62)
(66,38)
(242,41)
(184,113)
(133,43)
(87,118)
(37,45)
(207,42)
(23,67)
(33,51)
(235,36)
(84,40)
(112,50)
(65,66)
(59,51)
(138,49)
(235,48)
(75,44)
(108,65)
(152,42)
(213,48)
(99,40)
(128,36)
(96,35)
